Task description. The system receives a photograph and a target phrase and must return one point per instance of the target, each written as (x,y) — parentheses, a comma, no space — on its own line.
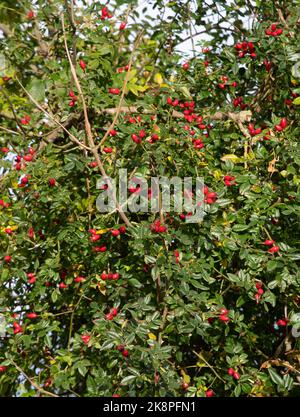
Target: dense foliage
(100,304)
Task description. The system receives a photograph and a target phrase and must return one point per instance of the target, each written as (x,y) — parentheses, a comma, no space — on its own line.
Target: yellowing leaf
(151,336)
(102,231)
(186,377)
(296,102)
(217,174)
(231,157)
(158,79)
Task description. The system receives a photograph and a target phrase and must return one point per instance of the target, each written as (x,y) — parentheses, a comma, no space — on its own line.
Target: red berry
(142,133)
(2,369)
(186,66)
(85,339)
(30,14)
(114,311)
(31,315)
(125,353)
(269,242)
(236,375)
(82,64)
(62,285)
(223,317)
(230,371)
(274,249)
(109,316)
(122,26)
(7,258)
(278,128)
(52,182)
(184,386)
(122,229)
(209,393)
(283,123)
(107,149)
(79,279)
(135,138)
(115,232)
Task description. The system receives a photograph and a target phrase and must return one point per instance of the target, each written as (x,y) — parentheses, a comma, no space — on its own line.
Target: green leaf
(275,377)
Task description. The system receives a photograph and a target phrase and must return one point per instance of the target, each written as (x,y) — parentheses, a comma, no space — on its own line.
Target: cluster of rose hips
(282,322)
(3,204)
(281,126)
(233,373)
(244,48)
(289,101)
(113,312)
(238,102)
(253,131)
(74,98)
(25,120)
(137,138)
(259,292)
(229,180)
(85,338)
(17,328)
(224,83)
(110,276)
(27,158)
(273,31)
(122,69)
(224,315)
(94,238)
(210,196)
(273,248)
(105,13)
(31,277)
(125,352)
(158,227)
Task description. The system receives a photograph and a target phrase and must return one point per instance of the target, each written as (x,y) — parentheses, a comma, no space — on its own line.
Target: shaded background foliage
(172,285)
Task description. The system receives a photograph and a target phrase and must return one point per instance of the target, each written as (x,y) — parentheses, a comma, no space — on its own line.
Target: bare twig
(88,130)
(40,389)
(118,109)
(72,137)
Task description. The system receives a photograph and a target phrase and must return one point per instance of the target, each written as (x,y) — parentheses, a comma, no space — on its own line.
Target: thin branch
(210,367)
(88,130)
(122,95)
(40,389)
(72,137)
(10,131)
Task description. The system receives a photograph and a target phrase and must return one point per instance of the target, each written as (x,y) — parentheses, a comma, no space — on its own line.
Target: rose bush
(146,304)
